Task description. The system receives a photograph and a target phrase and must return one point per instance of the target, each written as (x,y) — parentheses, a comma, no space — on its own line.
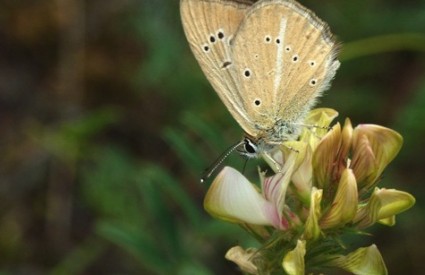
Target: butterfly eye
(250,147)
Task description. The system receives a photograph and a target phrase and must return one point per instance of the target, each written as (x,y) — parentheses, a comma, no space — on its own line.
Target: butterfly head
(268,139)
(252,148)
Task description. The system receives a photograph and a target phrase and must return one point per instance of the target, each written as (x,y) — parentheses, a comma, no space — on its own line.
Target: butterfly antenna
(217,163)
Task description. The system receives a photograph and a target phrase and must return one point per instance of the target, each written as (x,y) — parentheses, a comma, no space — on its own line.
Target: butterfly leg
(276,166)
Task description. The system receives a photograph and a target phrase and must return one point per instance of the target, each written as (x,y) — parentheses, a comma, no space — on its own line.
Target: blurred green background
(107,122)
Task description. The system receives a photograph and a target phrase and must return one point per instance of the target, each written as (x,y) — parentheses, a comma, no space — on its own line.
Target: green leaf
(140,244)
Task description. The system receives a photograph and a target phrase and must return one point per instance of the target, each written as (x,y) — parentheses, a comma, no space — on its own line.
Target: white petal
(275,187)
(233,198)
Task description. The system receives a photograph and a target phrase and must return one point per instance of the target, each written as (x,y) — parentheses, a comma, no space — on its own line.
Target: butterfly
(268,61)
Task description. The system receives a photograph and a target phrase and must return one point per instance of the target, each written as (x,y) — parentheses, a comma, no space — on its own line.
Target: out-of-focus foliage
(107,123)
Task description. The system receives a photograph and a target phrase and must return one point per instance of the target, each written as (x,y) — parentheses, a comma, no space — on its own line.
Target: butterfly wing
(285,58)
(210,26)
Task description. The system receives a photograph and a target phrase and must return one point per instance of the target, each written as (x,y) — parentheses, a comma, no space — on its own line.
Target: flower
(365,260)
(326,186)
(293,262)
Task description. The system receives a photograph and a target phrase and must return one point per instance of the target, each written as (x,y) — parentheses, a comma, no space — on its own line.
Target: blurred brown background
(106,123)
